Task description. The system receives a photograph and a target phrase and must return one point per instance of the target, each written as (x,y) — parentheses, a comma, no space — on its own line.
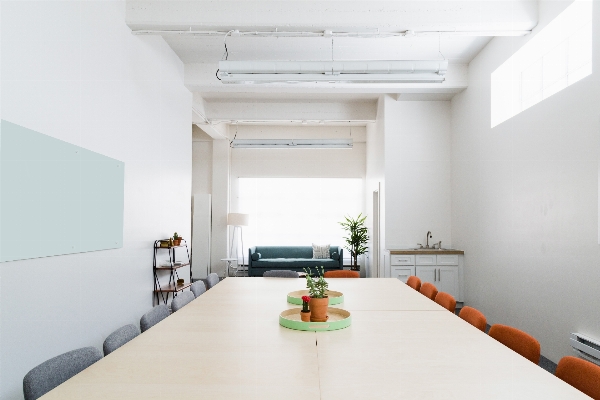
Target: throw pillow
(255,256)
(335,256)
(320,251)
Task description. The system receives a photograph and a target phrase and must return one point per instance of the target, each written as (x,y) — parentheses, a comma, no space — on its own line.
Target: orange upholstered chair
(341,273)
(429,290)
(446,300)
(474,317)
(414,282)
(580,374)
(519,341)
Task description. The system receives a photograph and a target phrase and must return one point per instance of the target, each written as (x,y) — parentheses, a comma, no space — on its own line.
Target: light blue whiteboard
(55,197)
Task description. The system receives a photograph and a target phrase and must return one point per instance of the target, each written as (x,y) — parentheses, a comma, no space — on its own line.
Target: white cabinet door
(448,280)
(401,273)
(427,274)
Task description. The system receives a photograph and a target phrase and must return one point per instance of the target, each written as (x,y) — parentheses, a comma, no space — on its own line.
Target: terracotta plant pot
(176,242)
(305,316)
(318,309)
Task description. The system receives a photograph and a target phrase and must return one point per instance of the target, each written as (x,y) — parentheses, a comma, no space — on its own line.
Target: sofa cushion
(287,263)
(255,256)
(335,256)
(320,251)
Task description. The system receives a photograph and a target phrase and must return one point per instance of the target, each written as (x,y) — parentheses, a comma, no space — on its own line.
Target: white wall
(417,172)
(73,70)
(525,201)
(201,161)
(221,159)
(375,180)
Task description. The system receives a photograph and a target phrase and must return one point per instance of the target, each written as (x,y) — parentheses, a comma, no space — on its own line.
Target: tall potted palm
(357,239)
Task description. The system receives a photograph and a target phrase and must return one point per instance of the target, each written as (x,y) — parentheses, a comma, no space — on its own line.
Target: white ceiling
(450,29)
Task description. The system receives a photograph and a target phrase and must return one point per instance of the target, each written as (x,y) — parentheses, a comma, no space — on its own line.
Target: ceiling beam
(331,15)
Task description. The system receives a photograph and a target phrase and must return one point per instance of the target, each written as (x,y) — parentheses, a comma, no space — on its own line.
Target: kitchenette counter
(425,251)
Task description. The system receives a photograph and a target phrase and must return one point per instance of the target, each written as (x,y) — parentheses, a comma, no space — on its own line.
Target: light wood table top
(228,344)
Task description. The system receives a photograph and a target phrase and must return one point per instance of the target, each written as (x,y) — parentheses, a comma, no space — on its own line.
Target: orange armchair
(429,290)
(517,340)
(474,317)
(414,282)
(341,273)
(446,300)
(581,374)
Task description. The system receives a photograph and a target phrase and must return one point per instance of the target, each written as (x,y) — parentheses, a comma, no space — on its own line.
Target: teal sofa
(294,258)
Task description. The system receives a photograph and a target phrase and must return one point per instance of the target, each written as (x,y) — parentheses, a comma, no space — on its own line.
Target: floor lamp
(237,220)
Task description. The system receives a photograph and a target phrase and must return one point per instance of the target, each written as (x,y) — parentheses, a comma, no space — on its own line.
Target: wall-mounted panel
(55,197)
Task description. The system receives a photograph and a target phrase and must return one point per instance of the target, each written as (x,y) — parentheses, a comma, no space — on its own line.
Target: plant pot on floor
(318,309)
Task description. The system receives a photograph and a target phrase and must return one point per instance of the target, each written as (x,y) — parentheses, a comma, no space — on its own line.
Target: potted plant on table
(318,299)
(305,313)
(357,239)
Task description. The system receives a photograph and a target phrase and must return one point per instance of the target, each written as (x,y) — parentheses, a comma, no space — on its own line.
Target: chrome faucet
(427,238)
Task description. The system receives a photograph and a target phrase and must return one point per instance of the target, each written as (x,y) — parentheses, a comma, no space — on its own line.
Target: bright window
(298,211)
(558,56)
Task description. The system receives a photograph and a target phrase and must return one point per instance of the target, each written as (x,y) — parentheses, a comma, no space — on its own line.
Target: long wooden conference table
(228,344)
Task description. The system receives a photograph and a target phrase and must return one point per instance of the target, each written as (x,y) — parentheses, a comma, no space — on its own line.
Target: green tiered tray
(334,297)
(338,319)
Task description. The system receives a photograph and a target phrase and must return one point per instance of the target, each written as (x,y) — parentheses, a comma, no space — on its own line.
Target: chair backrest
(429,290)
(198,288)
(581,374)
(519,341)
(446,300)
(51,373)
(341,273)
(119,337)
(181,300)
(281,273)
(474,317)
(414,282)
(153,317)
(212,280)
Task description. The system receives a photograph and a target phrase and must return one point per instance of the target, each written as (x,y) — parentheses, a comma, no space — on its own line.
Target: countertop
(426,251)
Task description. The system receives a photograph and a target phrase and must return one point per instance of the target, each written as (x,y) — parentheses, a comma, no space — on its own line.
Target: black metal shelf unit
(164,290)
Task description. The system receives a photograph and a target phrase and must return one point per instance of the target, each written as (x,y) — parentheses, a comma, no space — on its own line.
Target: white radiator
(586,347)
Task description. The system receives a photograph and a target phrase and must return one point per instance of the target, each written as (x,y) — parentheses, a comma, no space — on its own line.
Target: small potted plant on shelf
(318,299)
(305,313)
(176,239)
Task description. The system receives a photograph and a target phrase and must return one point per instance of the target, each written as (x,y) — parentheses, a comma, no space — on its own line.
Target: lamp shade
(237,219)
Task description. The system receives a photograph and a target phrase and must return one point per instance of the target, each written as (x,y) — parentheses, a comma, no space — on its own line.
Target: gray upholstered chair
(119,337)
(55,371)
(181,300)
(281,273)
(198,288)
(212,280)
(153,317)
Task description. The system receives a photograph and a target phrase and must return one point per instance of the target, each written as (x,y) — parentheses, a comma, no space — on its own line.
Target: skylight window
(558,56)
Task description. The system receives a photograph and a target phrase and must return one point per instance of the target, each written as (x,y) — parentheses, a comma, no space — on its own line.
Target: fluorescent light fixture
(251,72)
(292,144)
